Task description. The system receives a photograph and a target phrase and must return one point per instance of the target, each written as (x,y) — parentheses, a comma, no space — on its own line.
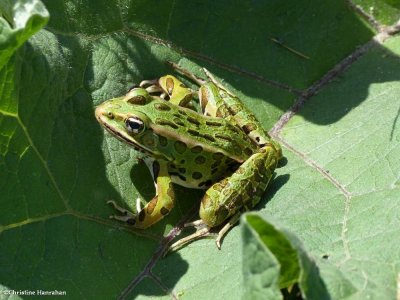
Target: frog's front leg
(227,199)
(170,86)
(158,207)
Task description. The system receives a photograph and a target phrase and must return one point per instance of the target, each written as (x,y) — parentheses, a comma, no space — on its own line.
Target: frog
(222,149)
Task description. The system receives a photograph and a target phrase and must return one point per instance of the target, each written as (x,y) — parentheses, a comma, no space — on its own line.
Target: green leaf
(385,11)
(272,253)
(352,141)
(21,19)
(338,192)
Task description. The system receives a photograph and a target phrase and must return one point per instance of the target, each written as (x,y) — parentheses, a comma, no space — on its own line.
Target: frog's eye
(134,125)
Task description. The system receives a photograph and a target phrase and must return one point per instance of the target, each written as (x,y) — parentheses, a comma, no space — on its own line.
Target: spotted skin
(161,204)
(224,150)
(244,188)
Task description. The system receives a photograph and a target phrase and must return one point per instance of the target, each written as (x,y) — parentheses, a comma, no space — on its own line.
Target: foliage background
(335,108)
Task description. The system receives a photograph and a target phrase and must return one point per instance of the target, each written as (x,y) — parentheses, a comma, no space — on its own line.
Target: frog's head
(125,118)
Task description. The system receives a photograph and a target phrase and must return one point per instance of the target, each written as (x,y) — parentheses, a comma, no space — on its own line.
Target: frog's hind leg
(205,231)
(158,207)
(226,104)
(226,200)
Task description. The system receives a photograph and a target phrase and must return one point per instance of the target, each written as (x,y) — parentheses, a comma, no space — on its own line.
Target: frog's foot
(152,87)
(205,231)
(147,83)
(202,231)
(126,216)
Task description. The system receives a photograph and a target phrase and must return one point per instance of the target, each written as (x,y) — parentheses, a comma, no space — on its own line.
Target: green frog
(223,149)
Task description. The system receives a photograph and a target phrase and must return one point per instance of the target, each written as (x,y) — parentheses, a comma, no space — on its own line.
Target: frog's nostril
(110,115)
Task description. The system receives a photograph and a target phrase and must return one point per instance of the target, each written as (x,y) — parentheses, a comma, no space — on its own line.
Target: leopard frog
(224,149)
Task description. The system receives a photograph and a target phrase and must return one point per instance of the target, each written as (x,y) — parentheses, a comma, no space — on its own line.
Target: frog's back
(201,150)
(181,131)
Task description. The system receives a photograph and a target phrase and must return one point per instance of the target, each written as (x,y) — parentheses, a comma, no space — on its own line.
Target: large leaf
(275,259)
(338,192)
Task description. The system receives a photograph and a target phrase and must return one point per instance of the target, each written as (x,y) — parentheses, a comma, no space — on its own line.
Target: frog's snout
(102,113)
(99,111)
(106,109)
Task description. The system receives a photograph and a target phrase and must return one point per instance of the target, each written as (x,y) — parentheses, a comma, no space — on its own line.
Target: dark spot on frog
(193,121)
(179,122)
(138,100)
(162,107)
(180,147)
(218,155)
(181,177)
(193,132)
(215,164)
(223,137)
(162,140)
(197,175)
(196,149)
(249,127)
(164,211)
(248,151)
(166,123)
(213,123)
(208,137)
(142,215)
(200,160)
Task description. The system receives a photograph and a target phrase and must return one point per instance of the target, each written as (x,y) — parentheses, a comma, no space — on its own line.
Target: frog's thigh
(241,190)
(162,203)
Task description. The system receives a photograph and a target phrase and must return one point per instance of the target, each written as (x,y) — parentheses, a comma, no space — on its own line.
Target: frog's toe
(117,207)
(201,233)
(198,224)
(126,216)
(130,219)
(147,83)
(218,241)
